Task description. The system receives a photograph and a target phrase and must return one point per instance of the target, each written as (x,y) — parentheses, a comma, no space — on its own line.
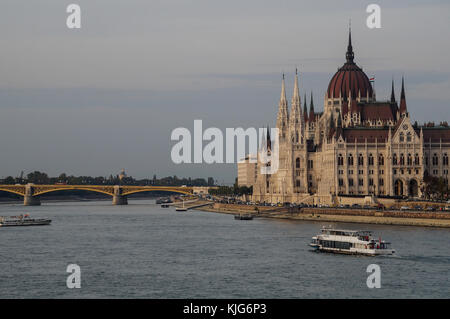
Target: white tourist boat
(356,242)
(23,220)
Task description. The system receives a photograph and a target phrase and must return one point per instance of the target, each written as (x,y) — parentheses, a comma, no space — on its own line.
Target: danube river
(144,251)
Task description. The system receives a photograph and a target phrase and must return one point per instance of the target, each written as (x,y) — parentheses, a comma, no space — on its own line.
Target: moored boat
(243,217)
(163,200)
(355,242)
(23,220)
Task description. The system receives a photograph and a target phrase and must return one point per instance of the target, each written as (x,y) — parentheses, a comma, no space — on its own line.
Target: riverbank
(423,219)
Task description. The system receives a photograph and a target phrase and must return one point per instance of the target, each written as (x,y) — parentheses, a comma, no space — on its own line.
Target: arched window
(370,159)
(297,163)
(381,160)
(296,137)
(340,160)
(409,160)
(350,159)
(360,159)
(402,159)
(297,183)
(394,159)
(435,159)
(402,137)
(416,160)
(408,137)
(445,160)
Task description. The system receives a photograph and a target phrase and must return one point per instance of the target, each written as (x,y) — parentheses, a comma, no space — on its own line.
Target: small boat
(163,200)
(354,242)
(243,217)
(23,220)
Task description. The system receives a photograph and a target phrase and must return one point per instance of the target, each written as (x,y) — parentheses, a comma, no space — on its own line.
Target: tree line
(38,177)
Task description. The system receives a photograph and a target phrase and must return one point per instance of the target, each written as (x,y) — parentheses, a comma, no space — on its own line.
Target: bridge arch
(12,191)
(51,190)
(170,190)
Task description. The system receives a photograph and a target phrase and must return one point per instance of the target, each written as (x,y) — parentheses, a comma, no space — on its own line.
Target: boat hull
(243,217)
(353,251)
(31,223)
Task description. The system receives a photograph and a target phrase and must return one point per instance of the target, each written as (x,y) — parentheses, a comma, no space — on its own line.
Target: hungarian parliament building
(356,146)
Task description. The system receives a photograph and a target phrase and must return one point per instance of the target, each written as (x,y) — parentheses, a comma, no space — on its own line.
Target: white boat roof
(350,231)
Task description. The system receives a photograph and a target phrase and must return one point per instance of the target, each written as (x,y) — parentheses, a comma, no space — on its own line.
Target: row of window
(360,182)
(435,160)
(350,160)
(395,160)
(402,171)
(360,172)
(409,160)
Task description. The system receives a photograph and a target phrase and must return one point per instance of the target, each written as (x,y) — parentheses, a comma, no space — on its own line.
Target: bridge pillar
(29,199)
(118,198)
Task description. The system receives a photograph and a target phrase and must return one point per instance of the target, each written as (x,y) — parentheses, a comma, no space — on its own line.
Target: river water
(144,251)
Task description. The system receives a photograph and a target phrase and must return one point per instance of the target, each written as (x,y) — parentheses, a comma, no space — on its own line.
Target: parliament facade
(358,145)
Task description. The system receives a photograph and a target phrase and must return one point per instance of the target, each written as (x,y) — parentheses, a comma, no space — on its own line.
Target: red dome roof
(349,77)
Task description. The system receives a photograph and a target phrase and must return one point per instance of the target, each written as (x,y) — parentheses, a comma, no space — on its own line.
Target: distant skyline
(106,97)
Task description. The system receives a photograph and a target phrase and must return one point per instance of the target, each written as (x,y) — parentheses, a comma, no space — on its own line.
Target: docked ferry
(355,242)
(23,220)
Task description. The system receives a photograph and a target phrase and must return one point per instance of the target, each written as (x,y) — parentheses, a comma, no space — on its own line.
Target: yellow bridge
(119,193)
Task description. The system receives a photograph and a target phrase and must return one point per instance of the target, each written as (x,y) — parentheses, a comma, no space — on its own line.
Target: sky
(94,100)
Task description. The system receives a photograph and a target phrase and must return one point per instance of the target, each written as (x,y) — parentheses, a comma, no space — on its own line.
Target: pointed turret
(403,98)
(392,93)
(296,104)
(283,116)
(296,94)
(349,55)
(283,91)
(311,110)
(305,110)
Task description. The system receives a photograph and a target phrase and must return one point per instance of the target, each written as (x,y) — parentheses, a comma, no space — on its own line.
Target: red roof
(436,134)
(361,134)
(378,111)
(351,78)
